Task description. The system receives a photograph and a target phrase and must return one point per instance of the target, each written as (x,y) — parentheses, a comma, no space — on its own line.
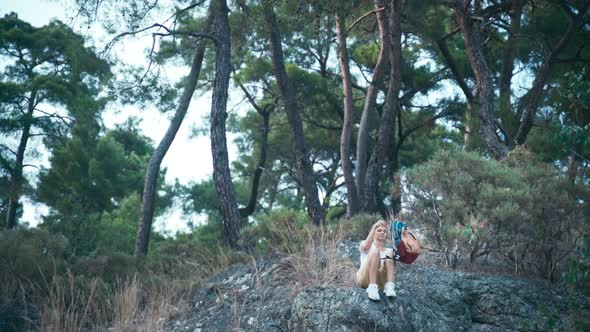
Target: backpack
(405,245)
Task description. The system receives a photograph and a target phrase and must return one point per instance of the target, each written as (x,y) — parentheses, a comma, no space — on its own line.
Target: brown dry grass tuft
(141,303)
(126,304)
(67,307)
(317,260)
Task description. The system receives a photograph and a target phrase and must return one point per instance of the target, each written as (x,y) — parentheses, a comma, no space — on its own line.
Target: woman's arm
(366,244)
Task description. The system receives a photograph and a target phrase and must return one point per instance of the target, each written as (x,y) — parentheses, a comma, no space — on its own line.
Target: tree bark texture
(509,122)
(221,173)
(16,180)
(472,34)
(304,168)
(352,207)
(373,203)
(362,143)
(153,168)
(395,190)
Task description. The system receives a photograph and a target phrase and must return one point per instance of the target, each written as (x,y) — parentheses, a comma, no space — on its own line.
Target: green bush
(29,259)
(578,273)
(108,268)
(519,211)
(461,198)
(30,255)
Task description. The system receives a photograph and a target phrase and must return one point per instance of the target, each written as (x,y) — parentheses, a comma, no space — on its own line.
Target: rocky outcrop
(263,296)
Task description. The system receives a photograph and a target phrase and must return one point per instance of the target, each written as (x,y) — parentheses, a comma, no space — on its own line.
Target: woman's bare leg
(374,260)
(390,265)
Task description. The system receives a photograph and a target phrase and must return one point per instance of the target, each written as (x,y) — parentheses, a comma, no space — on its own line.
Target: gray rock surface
(260,297)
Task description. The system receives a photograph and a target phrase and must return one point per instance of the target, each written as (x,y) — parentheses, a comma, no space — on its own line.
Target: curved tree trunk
(303,164)
(16,180)
(251,207)
(221,172)
(362,143)
(153,168)
(460,79)
(533,96)
(352,207)
(264,112)
(372,201)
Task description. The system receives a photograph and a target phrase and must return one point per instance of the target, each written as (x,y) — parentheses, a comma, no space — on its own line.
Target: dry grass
(135,304)
(68,308)
(160,305)
(126,304)
(318,260)
(132,307)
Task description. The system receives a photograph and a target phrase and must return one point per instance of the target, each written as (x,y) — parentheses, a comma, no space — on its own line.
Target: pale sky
(188,159)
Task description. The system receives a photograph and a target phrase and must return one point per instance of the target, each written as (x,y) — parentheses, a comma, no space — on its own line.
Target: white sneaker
(373,292)
(390,289)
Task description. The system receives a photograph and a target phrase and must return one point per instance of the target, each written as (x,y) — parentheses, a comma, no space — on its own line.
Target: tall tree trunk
(16,180)
(153,168)
(221,172)
(460,79)
(395,191)
(395,185)
(346,135)
(372,201)
(303,164)
(472,35)
(362,143)
(509,122)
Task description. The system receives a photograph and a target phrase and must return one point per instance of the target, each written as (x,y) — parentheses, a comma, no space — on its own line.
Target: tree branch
(533,96)
(357,21)
(5,147)
(168,33)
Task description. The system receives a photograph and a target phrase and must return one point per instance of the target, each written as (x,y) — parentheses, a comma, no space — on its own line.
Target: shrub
(463,202)
(557,214)
(579,267)
(30,254)
(519,211)
(109,268)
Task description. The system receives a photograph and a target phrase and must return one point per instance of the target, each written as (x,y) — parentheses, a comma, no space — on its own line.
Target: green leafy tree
(44,66)
(557,24)
(92,175)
